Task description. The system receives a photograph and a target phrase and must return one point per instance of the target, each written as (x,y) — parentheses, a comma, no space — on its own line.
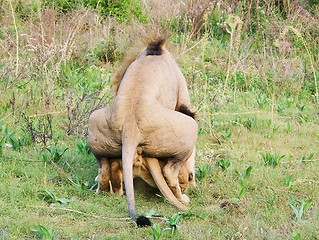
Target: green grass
(255,89)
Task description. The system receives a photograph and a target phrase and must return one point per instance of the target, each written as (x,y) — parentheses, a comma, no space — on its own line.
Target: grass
(257,150)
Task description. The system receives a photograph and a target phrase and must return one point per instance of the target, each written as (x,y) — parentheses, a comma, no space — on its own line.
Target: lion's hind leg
(171,172)
(116,185)
(103,177)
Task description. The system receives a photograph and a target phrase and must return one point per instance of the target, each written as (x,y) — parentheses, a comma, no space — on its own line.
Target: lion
(151,111)
(110,176)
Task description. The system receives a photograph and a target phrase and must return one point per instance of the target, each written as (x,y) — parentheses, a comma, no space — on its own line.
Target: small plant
(43,233)
(242,189)
(305,158)
(2,141)
(187,214)
(56,154)
(227,135)
(223,164)
(50,197)
(280,110)
(157,232)
(173,222)
(300,108)
(275,128)
(271,159)
(250,123)
(8,137)
(85,185)
(246,173)
(83,147)
(299,208)
(262,100)
(203,171)
(242,185)
(289,181)
(288,128)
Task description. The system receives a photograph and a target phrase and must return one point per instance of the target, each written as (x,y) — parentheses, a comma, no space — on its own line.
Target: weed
(173,222)
(228,134)
(43,233)
(262,100)
(289,181)
(242,184)
(289,127)
(271,159)
(50,197)
(275,128)
(203,171)
(308,158)
(250,123)
(157,232)
(300,207)
(86,185)
(300,108)
(83,147)
(56,154)
(9,139)
(242,189)
(245,174)
(224,164)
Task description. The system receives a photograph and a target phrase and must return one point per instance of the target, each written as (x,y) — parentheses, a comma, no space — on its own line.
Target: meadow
(252,73)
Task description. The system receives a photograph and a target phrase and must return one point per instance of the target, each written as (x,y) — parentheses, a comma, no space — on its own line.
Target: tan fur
(110,175)
(149,91)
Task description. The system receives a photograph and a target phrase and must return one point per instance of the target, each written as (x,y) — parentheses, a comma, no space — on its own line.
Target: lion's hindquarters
(102,139)
(173,137)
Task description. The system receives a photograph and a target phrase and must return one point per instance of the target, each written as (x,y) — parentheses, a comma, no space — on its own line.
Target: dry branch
(91,215)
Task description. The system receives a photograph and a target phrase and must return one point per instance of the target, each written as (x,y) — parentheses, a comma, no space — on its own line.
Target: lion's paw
(185,199)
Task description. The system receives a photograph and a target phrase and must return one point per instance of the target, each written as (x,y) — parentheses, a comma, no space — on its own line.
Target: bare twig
(306,181)
(187,50)
(288,191)
(92,215)
(17,39)
(47,113)
(82,213)
(234,113)
(63,173)
(303,161)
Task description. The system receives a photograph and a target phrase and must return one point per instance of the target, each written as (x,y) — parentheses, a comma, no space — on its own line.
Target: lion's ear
(190,177)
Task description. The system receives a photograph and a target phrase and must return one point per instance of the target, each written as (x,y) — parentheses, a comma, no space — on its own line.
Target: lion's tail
(128,151)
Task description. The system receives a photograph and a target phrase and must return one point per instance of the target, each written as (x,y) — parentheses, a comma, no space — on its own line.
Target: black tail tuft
(155,47)
(142,221)
(185,110)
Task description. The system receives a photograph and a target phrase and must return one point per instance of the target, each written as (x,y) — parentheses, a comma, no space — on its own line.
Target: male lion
(150,111)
